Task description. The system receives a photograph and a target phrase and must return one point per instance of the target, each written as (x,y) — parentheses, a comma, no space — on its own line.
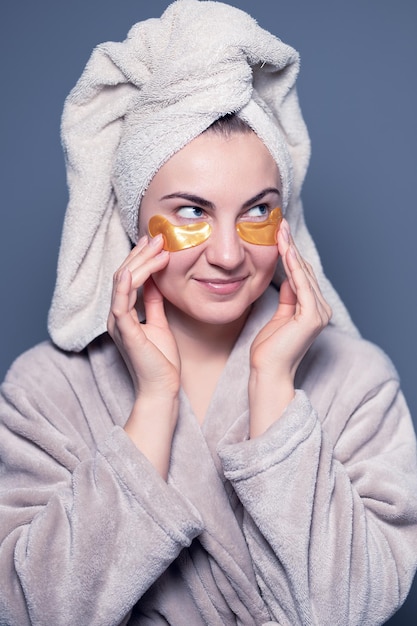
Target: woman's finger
(287,302)
(152,258)
(122,316)
(314,284)
(147,257)
(140,264)
(142,242)
(318,291)
(309,304)
(154,304)
(285,243)
(143,260)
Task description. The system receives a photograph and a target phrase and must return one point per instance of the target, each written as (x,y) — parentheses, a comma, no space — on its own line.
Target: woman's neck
(204,350)
(198,340)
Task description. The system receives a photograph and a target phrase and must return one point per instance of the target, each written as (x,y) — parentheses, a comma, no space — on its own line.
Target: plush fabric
(137,103)
(314,522)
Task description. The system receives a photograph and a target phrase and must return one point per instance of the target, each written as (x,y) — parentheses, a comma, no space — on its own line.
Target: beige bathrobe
(314,522)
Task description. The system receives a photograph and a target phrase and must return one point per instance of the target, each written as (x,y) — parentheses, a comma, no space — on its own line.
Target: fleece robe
(314,522)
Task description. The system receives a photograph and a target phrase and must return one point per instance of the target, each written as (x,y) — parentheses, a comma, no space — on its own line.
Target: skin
(197,300)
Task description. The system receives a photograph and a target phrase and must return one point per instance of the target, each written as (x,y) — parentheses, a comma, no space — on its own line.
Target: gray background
(358,92)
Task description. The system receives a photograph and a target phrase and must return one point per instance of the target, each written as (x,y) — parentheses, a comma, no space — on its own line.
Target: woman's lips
(222,287)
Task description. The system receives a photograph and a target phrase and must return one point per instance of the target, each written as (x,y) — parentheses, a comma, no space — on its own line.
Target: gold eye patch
(191,235)
(261,233)
(178,237)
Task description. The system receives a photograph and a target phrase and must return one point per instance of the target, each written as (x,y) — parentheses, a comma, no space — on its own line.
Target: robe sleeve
(83,533)
(330,500)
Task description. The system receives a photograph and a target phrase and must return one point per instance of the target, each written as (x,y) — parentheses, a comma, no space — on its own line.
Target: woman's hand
(279,347)
(149,351)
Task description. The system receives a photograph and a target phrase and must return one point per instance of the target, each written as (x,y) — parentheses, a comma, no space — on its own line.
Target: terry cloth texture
(313,523)
(136,104)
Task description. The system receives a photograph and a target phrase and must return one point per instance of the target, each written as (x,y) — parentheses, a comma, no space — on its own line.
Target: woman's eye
(190,212)
(261,210)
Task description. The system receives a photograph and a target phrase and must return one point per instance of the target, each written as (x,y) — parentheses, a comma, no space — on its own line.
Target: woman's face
(220,180)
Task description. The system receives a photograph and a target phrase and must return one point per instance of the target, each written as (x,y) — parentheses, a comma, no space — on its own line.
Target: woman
(223,455)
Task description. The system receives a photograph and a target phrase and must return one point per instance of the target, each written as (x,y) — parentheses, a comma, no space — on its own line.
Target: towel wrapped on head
(136,104)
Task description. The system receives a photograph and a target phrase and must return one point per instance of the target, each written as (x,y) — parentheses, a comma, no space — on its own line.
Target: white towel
(136,104)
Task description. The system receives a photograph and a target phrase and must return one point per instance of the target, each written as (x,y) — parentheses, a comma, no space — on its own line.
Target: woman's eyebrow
(261,195)
(190,198)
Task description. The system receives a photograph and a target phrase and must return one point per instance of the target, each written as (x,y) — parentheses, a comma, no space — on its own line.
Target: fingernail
(155,241)
(285,232)
(124,275)
(142,242)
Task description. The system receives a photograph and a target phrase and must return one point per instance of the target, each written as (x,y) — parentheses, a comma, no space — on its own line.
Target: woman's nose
(224,247)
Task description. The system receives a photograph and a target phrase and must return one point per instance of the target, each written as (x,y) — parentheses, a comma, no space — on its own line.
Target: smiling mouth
(222,286)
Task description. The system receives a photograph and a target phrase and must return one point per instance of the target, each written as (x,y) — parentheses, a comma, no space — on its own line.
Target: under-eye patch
(178,237)
(191,235)
(261,233)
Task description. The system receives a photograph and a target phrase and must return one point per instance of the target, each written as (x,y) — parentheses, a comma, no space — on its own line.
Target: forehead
(213,164)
